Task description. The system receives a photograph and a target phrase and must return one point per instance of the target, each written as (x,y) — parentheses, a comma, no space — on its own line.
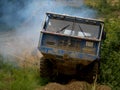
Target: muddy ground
(74,85)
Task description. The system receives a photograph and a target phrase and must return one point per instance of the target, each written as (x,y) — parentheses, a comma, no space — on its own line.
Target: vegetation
(16,78)
(110,54)
(104,6)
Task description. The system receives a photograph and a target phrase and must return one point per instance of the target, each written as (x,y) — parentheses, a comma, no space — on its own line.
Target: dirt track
(74,85)
(70,86)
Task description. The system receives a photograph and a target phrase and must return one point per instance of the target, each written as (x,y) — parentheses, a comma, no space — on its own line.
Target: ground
(74,85)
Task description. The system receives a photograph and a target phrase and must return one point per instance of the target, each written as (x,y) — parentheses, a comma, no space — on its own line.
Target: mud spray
(20,24)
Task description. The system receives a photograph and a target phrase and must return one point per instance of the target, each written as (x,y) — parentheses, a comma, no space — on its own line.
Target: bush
(110,51)
(110,64)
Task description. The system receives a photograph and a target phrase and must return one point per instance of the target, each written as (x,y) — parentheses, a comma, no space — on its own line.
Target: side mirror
(45,25)
(103,35)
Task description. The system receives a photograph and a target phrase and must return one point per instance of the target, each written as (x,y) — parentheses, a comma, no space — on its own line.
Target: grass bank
(17,78)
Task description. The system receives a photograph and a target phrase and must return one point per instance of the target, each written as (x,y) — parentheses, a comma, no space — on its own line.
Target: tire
(45,68)
(93,74)
(95,70)
(89,73)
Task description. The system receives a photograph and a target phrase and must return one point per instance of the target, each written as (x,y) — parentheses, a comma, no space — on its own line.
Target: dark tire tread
(45,68)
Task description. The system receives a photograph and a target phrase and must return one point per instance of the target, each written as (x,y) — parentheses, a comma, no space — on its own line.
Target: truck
(70,46)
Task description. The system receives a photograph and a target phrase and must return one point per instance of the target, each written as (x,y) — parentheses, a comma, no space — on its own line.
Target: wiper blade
(82,31)
(63,28)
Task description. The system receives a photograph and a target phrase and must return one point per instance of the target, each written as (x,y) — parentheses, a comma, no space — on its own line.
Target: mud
(75,85)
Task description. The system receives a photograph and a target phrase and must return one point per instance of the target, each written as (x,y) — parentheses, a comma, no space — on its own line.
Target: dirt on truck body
(70,46)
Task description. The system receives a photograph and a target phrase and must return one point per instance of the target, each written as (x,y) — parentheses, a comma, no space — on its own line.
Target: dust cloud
(21,20)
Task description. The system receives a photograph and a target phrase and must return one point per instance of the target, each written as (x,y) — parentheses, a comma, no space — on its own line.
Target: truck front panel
(68,47)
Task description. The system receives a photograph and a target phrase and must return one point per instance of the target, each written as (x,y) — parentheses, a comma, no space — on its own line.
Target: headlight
(89,44)
(89,48)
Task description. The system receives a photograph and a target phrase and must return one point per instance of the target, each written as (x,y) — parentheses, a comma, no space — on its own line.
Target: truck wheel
(89,73)
(45,68)
(94,72)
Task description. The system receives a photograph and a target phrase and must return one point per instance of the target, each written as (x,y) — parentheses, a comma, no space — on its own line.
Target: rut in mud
(74,85)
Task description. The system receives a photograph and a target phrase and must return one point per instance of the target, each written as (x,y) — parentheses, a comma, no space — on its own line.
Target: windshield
(73,28)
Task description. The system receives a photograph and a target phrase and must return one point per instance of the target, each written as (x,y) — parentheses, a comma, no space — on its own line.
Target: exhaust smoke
(20,24)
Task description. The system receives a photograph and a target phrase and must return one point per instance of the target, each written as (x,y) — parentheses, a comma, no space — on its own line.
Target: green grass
(16,78)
